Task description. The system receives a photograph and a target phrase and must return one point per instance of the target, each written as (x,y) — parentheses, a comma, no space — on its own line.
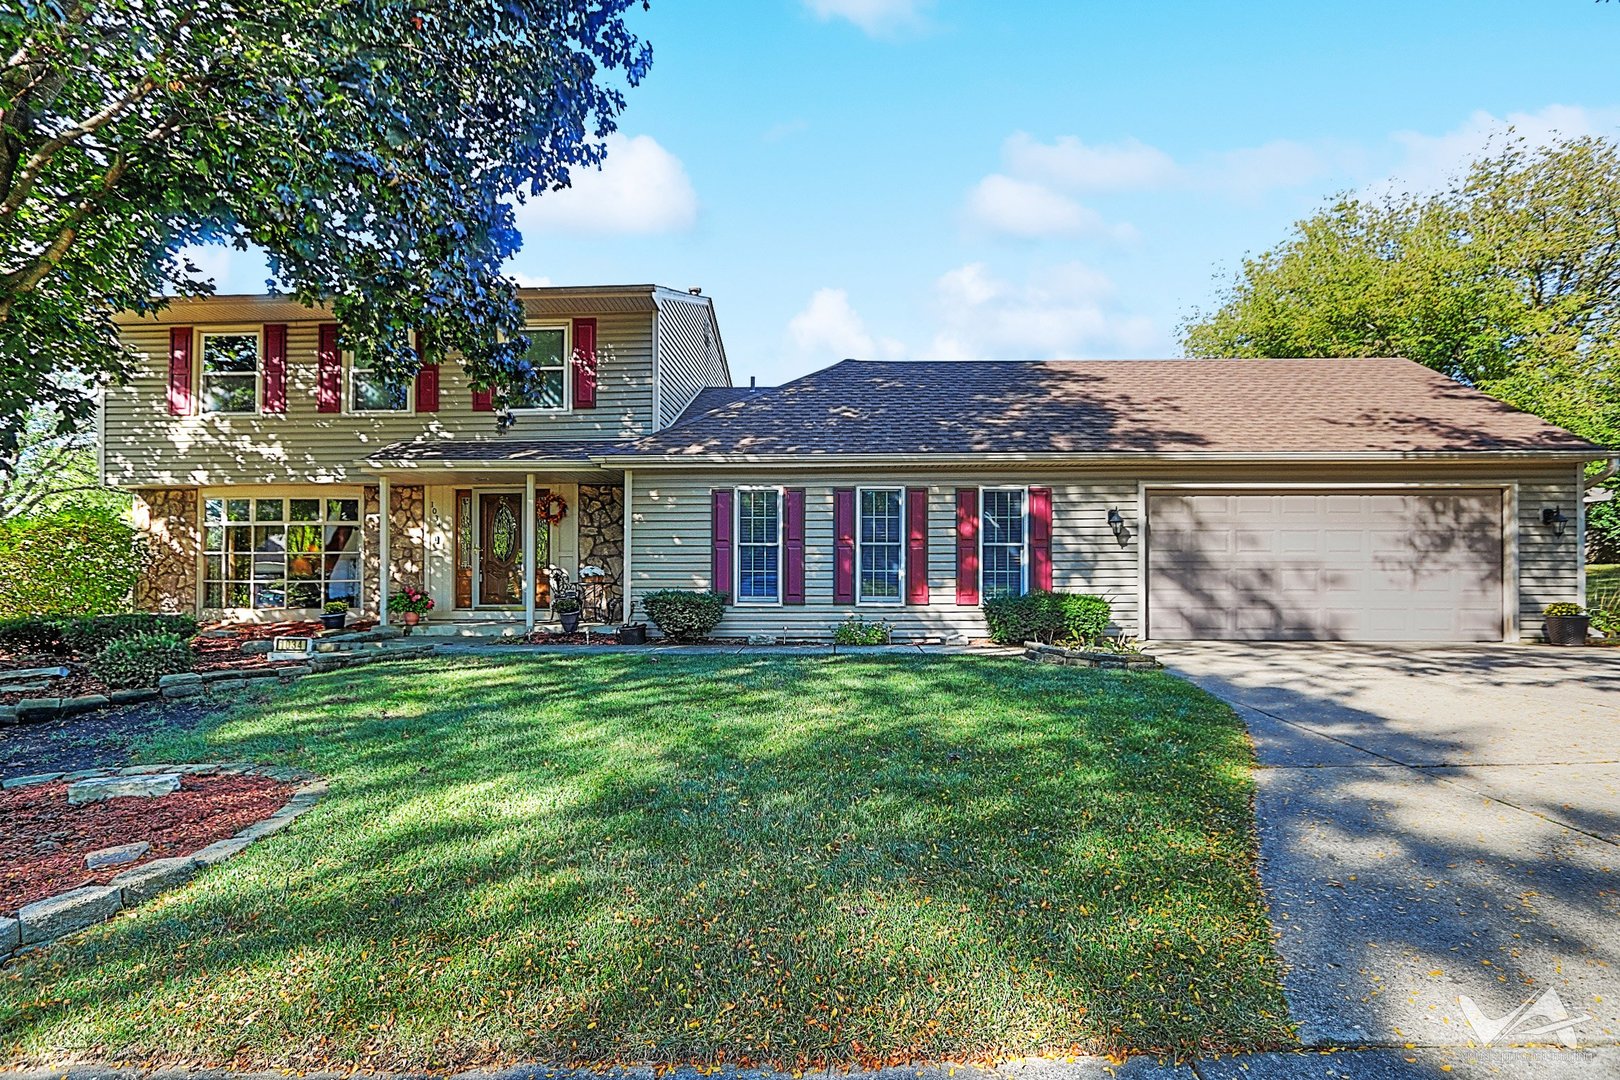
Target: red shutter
(329,372)
(180,401)
(916,545)
(585,364)
(1040,538)
(483,400)
(843,545)
(967,546)
(427,381)
(720,533)
(275,367)
(793,546)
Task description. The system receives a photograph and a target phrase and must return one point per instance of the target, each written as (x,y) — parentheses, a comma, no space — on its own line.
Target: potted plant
(1567,624)
(412,603)
(334,614)
(566,608)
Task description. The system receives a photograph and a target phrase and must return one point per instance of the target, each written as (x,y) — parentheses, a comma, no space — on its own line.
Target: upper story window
(879,541)
(370,392)
(547,354)
(230,373)
(759,545)
(1004,542)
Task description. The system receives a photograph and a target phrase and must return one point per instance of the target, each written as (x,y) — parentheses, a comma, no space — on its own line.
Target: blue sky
(951,178)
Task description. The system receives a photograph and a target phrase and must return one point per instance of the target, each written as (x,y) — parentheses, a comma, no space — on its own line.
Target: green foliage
(1508,281)
(1050,617)
(1604,610)
(71,564)
(373,151)
(566,605)
(87,635)
(335,607)
(1562,610)
(141,660)
(1603,531)
(858,631)
(683,614)
(31,635)
(53,472)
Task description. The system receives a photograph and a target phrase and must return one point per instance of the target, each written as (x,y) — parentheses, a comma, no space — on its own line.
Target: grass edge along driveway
(749,860)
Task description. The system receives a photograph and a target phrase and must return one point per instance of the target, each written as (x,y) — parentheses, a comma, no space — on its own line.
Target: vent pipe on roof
(695,290)
(752,382)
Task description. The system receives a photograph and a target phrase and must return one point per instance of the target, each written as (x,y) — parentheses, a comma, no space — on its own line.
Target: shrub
(857,631)
(80,563)
(684,614)
(1605,612)
(1067,618)
(88,636)
(141,660)
(31,635)
(335,607)
(1552,611)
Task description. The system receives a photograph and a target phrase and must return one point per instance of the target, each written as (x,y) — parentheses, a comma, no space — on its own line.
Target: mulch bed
(43,840)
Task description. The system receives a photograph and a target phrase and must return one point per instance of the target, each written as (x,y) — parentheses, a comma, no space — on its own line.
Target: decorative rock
(258,646)
(144,882)
(28,781)
(181,678)
(51,918)
(133,695)
(293,671)
(146,770)
(761,639)
(26,687)
(116,856)
(8,715)
(183,690)
(10,936)
(114,787)
(88,703)
(85,774)
(39,673)
(32,709)
(227,686)
(219,851)
(268,827)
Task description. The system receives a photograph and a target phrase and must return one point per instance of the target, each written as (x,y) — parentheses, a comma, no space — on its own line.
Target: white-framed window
(880,545)
(280,552)
(1003,541)
(369,392)
(547,356)
(759,545)
(230,371)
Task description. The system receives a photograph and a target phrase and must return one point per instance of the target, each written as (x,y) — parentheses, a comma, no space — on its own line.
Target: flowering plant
(411,599)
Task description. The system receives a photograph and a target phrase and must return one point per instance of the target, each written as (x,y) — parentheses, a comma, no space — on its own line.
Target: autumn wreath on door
(552,508)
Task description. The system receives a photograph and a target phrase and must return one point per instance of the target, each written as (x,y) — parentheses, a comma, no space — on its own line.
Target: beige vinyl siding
(1551,568)
(689,356)
(671,548)
(146,447)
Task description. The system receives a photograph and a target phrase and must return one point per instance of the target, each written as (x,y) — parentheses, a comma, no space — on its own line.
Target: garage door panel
(1369,566)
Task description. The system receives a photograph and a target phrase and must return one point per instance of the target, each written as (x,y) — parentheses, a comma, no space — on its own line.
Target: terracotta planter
(411,619)
(1568,629)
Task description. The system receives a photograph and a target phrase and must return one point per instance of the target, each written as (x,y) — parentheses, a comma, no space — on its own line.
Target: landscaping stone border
(49,920)
(191,684)
(1089,658)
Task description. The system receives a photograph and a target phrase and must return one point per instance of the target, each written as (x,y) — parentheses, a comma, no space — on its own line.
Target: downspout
(1609,470)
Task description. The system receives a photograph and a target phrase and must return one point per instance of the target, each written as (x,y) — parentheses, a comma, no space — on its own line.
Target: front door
(500,549)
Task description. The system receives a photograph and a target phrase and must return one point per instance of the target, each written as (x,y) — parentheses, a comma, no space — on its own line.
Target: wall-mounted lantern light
(1554,516)
(1115,521)
(504,421)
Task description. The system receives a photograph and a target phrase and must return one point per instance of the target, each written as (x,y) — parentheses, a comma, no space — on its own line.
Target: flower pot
(1567,629)
(335,622)
(570,621)
(411,619)
(633,634)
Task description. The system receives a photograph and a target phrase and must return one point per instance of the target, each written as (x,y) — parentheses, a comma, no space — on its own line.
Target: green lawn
(700,859)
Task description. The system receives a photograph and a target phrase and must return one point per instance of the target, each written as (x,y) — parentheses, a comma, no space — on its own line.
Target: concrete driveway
(1434,823)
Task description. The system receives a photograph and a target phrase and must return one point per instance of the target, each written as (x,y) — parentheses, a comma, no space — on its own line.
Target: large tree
(1508,280)
(370,147)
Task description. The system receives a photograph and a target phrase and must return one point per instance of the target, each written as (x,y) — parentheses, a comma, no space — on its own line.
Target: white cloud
(1429,162)
(1281,163)
(1027,209)
(830,327)
(1071,311)
(1066,161)
(641,188)
(876,17)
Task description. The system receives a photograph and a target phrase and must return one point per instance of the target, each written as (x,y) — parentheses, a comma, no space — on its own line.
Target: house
(1341,499)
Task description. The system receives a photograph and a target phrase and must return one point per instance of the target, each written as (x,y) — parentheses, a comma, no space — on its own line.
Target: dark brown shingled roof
(860,407)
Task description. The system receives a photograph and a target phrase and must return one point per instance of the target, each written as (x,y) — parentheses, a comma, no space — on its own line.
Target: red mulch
(43,840)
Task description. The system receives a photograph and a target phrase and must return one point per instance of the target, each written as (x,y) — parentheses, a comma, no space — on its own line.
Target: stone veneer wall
(601,542)
(167,517)
(407,540)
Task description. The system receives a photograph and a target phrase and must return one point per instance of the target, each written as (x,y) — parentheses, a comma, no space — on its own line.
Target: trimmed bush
(858,631)
(141,660)
(32,635)
(1048,617)
(684,614)
(85,637)
(81,563)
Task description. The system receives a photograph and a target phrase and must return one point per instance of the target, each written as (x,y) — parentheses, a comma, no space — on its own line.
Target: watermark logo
(1536,1020)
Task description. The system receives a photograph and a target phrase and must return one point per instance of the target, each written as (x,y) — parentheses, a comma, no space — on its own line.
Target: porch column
(384,505)
(629,518)
(529,569)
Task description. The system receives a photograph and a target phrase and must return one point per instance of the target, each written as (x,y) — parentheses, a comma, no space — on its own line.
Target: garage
(1338,565)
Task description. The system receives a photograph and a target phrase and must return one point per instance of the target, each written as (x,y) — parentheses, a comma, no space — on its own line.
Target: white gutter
(1609,470)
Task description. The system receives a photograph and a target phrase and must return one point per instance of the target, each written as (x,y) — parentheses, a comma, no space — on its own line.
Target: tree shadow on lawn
(702,859)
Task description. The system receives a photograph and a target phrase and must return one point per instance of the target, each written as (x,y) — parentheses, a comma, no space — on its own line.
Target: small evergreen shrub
(1555,610)
(89,635)
(858,631)
(31,636)
(141,660)
(1049,617)
(685,614)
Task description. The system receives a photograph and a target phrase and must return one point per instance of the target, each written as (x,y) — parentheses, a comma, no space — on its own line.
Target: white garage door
(1345,566)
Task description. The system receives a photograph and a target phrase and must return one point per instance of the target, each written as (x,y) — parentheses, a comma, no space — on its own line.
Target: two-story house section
(261,456)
